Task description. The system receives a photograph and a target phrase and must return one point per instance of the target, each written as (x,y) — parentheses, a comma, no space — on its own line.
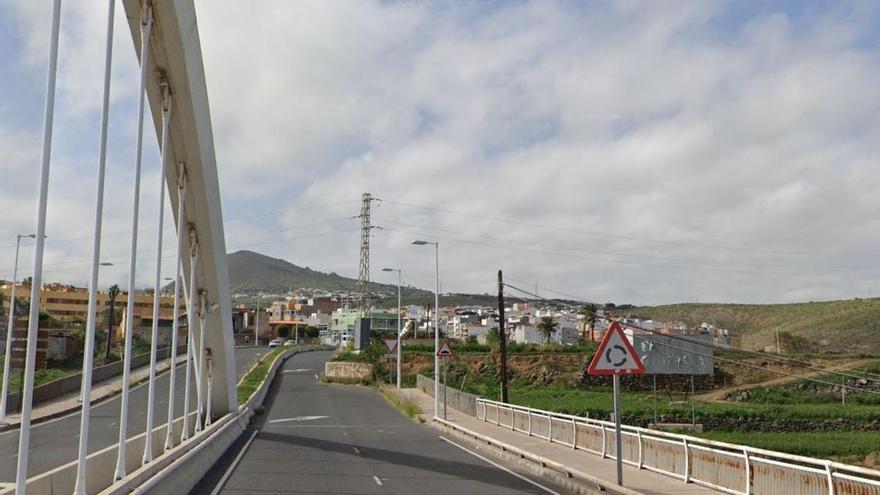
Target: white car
(290,343)
(274,343)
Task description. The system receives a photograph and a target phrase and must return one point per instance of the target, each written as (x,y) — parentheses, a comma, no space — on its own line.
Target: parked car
(289,343)
(274,343)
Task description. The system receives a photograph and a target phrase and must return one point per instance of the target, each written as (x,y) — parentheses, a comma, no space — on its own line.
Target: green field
(844,446)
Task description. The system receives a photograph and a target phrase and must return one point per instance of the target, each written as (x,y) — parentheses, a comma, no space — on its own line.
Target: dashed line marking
(377,480)
(357,451)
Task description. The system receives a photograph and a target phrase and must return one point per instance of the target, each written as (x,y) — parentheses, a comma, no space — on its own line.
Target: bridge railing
(726,467)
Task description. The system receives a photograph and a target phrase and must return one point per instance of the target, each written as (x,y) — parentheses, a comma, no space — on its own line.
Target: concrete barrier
(456,399)
(73,383)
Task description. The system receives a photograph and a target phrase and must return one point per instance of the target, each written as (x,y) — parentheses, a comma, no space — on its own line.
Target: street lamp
(436,322)
(399,278)
(5,390)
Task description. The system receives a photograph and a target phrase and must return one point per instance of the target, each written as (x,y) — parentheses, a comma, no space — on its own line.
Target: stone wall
(345,370)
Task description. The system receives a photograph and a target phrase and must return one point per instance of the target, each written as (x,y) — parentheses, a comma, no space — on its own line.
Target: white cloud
(742,143)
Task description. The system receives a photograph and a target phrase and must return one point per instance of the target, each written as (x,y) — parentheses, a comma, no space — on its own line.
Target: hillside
(250,271)
(834,326)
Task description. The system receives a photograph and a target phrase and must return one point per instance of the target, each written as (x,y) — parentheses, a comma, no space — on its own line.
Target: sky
(632,151)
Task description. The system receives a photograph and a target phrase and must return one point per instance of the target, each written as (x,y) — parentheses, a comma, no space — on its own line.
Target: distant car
(274,343)
(289,343)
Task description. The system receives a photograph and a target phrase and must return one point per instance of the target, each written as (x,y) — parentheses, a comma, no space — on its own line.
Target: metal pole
(257,323)
(399,354)
(157,286)
(655,400)
(9,332)
(175,326)
(617,434)
(24,437)
(445,369)
(89,357)
(190,324)
(693,405)
(146,25)
(200,362)
(436,327)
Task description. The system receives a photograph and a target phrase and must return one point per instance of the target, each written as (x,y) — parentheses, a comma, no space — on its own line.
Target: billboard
(675,355)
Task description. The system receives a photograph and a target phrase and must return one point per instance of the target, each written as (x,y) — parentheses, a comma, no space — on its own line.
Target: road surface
(54,442)
(323,438)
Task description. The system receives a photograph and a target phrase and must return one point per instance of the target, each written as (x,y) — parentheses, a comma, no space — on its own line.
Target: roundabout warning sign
(615,355)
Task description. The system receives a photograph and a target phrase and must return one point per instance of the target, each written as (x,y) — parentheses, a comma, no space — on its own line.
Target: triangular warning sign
(444,350)
(390,344)
(615,355)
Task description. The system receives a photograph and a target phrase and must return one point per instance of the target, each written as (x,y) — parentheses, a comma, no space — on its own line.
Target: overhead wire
(630,238)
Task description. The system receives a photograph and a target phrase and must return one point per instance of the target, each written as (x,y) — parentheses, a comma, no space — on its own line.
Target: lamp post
(9,326)
(257,322)
(399,279)
(436,322)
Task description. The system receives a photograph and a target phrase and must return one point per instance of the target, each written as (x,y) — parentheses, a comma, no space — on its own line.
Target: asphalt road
(54,442)
(320,439)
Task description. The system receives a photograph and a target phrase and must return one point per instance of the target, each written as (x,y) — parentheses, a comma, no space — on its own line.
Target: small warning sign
(615,355)
(444,350)
(390,344)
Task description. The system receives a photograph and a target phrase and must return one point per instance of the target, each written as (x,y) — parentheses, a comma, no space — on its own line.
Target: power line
(630,238)
(624,262)
(629,255)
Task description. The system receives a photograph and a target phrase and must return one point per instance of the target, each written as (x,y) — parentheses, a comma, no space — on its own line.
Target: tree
(284,331)
(547,327)
(113,293)
(590,312)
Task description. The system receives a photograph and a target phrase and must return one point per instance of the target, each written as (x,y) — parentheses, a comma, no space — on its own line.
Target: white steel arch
(176,57)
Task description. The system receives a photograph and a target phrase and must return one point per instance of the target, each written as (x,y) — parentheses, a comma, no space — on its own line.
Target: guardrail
(729,468)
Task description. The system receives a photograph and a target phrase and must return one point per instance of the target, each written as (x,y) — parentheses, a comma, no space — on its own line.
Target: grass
(40,377)
(408,407)
(845,446)
(251,382)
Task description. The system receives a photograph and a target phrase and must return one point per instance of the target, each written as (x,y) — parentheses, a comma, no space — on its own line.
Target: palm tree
(590,312)
(113,293)
(547,326)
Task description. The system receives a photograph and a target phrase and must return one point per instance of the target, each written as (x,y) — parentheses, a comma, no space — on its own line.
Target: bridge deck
(639,480)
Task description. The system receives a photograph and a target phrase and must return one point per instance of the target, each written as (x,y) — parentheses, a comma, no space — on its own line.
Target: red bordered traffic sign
(390,344)
(616,355)
(444,350)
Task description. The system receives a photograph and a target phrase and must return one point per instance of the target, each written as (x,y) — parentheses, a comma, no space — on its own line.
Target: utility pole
(502,338)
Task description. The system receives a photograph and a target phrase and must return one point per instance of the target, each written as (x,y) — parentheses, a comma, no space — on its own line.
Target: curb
(565,475)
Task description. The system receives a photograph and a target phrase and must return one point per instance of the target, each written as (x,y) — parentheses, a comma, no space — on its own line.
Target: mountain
(250,271)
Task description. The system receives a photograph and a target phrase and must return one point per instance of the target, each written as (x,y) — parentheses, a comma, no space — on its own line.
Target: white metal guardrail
(729,468)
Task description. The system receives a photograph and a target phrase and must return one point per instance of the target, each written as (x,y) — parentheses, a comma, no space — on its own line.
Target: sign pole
(445,366)
(617,433)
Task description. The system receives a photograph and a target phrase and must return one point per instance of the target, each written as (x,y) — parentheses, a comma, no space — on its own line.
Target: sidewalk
(637,480)
(69,403)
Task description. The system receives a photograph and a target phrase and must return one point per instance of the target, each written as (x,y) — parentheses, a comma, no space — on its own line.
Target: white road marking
(297,419)
(234,465)
(378,481)
(499,466)
(300,370)
(357,451)
(316,377)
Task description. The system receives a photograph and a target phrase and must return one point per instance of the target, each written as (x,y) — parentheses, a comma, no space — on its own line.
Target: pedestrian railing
(729,468)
